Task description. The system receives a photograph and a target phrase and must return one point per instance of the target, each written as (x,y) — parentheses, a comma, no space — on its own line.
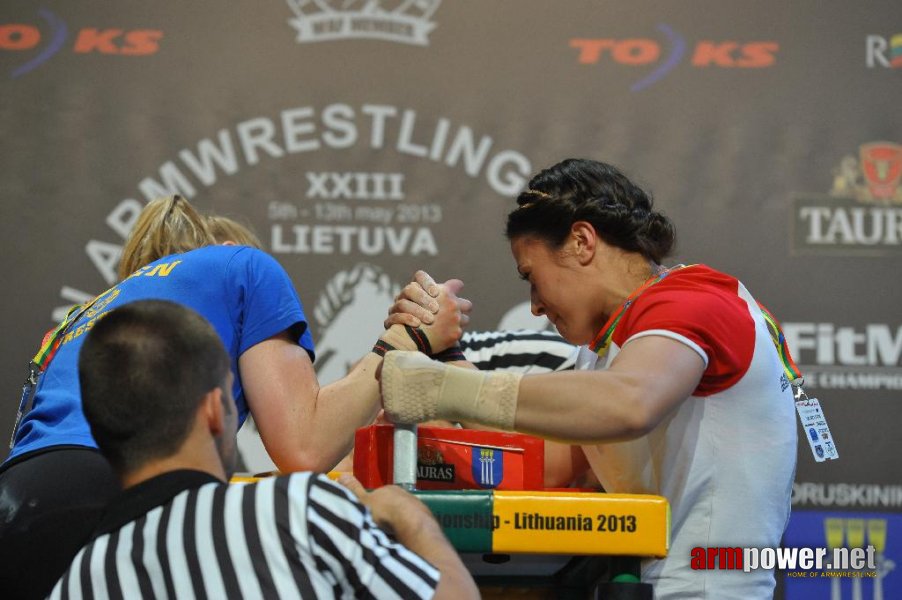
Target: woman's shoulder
(221,251)
(699,274)
(695,280)
(694,289)
(229,255)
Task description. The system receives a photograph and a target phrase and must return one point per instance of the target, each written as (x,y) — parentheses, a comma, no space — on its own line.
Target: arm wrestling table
(517,538)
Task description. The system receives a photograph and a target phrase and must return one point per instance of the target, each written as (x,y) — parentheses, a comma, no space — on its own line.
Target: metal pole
(405,456)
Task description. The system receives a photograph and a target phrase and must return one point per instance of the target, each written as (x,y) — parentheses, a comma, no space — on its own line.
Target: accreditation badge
(817,432)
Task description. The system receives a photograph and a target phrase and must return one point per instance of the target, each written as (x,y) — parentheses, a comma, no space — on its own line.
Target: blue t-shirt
(243,292)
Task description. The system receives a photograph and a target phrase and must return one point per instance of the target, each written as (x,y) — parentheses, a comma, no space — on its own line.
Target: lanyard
(811,415)
(793,373)
(49,346)
(51,342)
(603,340)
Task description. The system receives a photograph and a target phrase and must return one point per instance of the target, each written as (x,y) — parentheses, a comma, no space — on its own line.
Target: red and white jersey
(725,459)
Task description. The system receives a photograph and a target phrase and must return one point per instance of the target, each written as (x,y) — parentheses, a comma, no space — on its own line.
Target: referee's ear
(211,409)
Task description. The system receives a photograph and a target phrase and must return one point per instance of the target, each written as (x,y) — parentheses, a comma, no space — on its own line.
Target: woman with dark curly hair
(679,389)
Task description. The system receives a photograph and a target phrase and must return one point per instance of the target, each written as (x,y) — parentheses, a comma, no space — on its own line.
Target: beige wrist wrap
(416,389)
(398,338)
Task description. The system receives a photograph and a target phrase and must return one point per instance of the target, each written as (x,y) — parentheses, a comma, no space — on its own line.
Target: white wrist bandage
(416,389)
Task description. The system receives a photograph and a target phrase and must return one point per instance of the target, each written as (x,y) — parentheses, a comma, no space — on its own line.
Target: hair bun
(657,237)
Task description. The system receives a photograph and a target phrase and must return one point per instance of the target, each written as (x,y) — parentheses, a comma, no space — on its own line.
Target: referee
(520,351)
(155,385)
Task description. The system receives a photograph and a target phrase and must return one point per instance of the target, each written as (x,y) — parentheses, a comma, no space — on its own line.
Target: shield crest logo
(488,467)
(881,163)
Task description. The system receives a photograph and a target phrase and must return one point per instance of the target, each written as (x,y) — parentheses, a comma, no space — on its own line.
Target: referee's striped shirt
(523,351)
(187,535)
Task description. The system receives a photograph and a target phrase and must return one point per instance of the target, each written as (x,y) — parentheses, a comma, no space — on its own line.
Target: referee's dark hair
(144,369)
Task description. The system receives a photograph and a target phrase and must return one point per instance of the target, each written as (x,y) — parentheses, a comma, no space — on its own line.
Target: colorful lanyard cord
(49,346)
(793,373)
(603,340)
(51,342)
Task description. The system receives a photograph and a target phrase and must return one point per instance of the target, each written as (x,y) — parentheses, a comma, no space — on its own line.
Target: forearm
(305,427)
(427,540)
(343,406)
(397,511)
(563,464)
(648,379)
(582,407)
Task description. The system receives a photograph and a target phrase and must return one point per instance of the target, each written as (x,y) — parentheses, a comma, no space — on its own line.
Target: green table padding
(466,516)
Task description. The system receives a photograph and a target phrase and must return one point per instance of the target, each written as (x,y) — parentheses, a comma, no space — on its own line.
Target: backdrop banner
(363,140)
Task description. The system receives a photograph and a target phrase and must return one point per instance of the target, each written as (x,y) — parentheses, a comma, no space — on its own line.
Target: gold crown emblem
(404,21)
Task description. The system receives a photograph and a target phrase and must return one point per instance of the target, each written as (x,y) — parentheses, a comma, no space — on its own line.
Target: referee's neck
(198,453)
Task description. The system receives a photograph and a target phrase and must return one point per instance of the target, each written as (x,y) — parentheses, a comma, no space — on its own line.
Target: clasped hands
(416,389)
(434,308)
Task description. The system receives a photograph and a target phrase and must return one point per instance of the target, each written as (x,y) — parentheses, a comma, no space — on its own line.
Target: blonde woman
(172,254)
(229,231)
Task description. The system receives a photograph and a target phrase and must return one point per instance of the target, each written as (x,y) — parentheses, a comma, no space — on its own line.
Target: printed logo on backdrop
(335,212)
(349,316)
(663,54)
(846,496)
(336,204)
(841,534)
(833,356)
(862,213)
(404,21)
(48,35)
(883,52)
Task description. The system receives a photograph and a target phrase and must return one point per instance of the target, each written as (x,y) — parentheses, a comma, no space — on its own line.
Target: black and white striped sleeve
(346,542)
(522,351)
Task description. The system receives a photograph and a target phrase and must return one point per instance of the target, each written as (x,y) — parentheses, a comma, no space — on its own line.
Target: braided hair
(596,192)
